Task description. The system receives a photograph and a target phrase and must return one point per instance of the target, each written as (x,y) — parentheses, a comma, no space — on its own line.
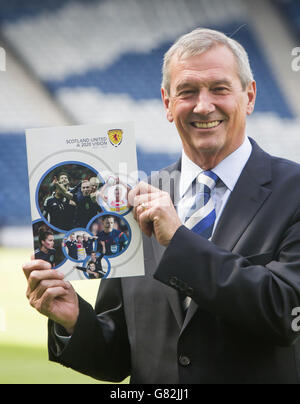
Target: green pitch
(23,332)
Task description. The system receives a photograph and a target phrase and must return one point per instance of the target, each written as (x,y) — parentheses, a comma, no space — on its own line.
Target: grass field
(23,332)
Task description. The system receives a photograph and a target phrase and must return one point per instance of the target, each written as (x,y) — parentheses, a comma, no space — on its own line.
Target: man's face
(108,224)
(86,188)
(94,182)
(208,104)
(64,180)
(93,257)
(73,237)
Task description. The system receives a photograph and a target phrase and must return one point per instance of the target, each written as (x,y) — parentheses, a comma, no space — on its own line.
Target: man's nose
(204,104)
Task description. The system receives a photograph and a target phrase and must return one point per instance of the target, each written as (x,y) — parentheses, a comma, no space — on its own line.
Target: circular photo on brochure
(66,196)
(113,234)
(79,244)
(96,266)
(47,244)
(113,196)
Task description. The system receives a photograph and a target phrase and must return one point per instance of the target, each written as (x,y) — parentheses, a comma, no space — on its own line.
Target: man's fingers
(44,285)
(140,189)
(36,276)
(144,217)
(144,198)
(35,265)
(43,304)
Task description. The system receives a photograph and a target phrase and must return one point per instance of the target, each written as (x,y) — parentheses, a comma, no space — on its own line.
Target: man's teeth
(205,125)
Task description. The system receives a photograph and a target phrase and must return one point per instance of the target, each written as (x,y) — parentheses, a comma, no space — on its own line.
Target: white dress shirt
(228,170)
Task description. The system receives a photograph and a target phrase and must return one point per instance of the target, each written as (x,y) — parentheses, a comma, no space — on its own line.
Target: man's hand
(50,295)
(155,212)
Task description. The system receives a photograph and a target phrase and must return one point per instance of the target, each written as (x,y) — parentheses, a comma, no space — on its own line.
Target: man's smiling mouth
(206,125)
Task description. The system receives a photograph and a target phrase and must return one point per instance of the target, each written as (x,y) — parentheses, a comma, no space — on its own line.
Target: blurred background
(79,62)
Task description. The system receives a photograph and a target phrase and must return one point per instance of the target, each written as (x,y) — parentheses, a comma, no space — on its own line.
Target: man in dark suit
(239,283)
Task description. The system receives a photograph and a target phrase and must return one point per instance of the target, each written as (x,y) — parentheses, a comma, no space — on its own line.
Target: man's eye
(186,93)
(220,89)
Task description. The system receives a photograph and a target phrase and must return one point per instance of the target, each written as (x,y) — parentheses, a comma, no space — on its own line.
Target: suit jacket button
(184,360)
(173,281)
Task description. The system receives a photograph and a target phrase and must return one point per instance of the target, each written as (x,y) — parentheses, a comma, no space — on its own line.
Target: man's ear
(166,101)
(251,93)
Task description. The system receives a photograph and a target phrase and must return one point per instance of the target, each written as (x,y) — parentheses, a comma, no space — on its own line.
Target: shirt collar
(228,170)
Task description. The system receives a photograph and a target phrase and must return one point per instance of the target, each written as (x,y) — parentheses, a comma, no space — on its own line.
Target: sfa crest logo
(115,136)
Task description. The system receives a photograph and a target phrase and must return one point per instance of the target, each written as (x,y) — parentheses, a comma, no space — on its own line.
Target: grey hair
(199,41)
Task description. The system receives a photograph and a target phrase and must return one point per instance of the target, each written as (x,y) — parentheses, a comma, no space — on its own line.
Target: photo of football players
(94,267)
(81,254)
(47,244)
(71,246)
(79,245)
(67,196)
(86,209)
(113,234)
(58,209)
(89,243)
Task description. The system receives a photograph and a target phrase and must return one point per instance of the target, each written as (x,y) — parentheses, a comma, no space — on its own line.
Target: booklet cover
(79,178)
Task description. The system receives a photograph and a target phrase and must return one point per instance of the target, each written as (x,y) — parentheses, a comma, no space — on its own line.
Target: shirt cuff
(61,336)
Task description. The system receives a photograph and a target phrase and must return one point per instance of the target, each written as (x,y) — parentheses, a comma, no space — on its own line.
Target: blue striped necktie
(202,215)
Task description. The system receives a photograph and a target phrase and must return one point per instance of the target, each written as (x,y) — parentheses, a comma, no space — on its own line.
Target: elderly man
(222,248)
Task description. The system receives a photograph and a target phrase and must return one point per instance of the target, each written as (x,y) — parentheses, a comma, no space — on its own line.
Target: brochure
(79,179)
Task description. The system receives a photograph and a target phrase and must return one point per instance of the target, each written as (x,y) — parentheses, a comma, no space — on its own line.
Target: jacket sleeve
(255,294)
(99,346)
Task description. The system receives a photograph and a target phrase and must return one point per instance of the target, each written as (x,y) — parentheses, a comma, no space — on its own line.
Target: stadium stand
(100,61)
(291,10)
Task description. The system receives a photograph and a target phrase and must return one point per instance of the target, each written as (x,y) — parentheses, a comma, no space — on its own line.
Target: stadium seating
(291,10)
(98,65)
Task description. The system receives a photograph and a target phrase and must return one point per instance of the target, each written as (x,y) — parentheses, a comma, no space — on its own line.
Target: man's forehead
(215,63)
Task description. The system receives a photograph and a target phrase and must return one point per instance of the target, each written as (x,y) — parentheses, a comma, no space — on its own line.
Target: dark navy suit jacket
(244,285)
